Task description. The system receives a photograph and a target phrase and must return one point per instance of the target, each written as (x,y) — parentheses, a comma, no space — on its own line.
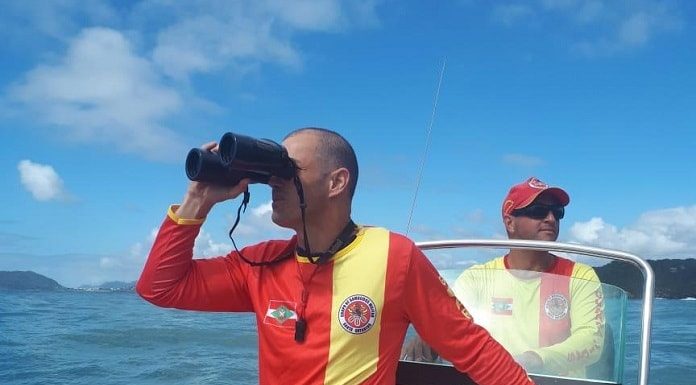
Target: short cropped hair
(336,152)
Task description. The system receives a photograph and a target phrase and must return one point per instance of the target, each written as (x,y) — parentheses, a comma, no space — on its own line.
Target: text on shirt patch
(357,314)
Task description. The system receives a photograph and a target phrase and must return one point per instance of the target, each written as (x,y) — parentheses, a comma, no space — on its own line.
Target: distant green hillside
(674,278)
(27,280)
(110,286)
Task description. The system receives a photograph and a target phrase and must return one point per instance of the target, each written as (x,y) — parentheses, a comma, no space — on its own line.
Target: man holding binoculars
(332,303)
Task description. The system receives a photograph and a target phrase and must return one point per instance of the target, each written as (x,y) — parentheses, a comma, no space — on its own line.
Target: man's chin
(281,221)
(549,236)
(277,220)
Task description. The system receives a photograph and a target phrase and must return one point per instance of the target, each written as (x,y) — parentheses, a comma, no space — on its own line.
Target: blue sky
(100,101)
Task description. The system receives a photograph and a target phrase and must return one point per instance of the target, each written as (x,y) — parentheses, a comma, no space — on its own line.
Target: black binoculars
(240,157)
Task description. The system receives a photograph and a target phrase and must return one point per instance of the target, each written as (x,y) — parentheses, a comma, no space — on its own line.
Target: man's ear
(338,182)
(509,223)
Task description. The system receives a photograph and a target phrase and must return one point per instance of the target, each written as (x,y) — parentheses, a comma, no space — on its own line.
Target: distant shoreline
(674,279)
(31,281)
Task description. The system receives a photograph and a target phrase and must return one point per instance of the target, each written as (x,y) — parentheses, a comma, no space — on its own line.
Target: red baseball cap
(523,194)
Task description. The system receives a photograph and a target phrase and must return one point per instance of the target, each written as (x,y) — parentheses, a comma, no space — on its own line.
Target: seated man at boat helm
(337,314)
(546,310)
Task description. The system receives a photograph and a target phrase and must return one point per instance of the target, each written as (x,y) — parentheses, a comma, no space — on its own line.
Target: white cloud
(589,11)
(205,246)
(109,262)
(510,14)
(631,30)
(667,233)
(102,92)
(258,226)
(206,44)
(596,27)
(637,28)
(73,270)
(210,36)
(264,210)
(319,15)
(252,229)
(522,160)
(105,89)
(477,216)
(451,262)
(54,19)
(128,266)
(566,5)
(41,180)
(140,249)
(422,232)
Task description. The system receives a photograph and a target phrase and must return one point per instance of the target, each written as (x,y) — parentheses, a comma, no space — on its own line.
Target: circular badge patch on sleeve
(357,314)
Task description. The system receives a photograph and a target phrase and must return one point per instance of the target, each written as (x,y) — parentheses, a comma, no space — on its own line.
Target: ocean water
(117,338)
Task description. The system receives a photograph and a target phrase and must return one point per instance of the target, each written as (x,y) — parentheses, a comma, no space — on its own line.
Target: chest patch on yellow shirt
(556,306)
(357,314)
(501,306)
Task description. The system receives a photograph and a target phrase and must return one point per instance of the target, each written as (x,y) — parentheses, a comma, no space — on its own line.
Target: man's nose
(550,217)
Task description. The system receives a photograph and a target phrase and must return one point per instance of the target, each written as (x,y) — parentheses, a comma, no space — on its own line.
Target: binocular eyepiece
(240,157)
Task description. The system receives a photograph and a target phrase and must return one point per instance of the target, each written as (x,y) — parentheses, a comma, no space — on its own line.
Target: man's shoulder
(393,235)
(488,269)
(577,266)
(271,247)
(582,271)
(493,264)
(583,266)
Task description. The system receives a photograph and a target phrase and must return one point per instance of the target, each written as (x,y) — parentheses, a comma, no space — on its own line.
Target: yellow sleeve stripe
(171,213)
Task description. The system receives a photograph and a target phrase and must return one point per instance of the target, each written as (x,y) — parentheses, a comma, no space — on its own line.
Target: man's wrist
(193,207)
(530,360)
(171,213)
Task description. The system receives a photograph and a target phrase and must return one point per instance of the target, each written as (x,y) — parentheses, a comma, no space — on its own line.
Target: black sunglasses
(539,211)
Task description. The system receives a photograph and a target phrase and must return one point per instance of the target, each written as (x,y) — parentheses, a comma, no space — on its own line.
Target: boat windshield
(563,323)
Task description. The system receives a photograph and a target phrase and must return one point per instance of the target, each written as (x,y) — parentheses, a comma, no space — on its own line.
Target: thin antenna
(427,146)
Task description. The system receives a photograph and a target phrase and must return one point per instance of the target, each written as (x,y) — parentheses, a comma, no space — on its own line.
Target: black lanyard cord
(240,210)
(303,208)
(346,236)
(289,253)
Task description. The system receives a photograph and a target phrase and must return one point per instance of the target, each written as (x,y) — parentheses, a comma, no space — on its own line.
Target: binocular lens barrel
(259,155)
(239,157)
(206,166)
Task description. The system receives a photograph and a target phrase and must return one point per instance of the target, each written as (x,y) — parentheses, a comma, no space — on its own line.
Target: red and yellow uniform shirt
(358,306)
(559,314)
